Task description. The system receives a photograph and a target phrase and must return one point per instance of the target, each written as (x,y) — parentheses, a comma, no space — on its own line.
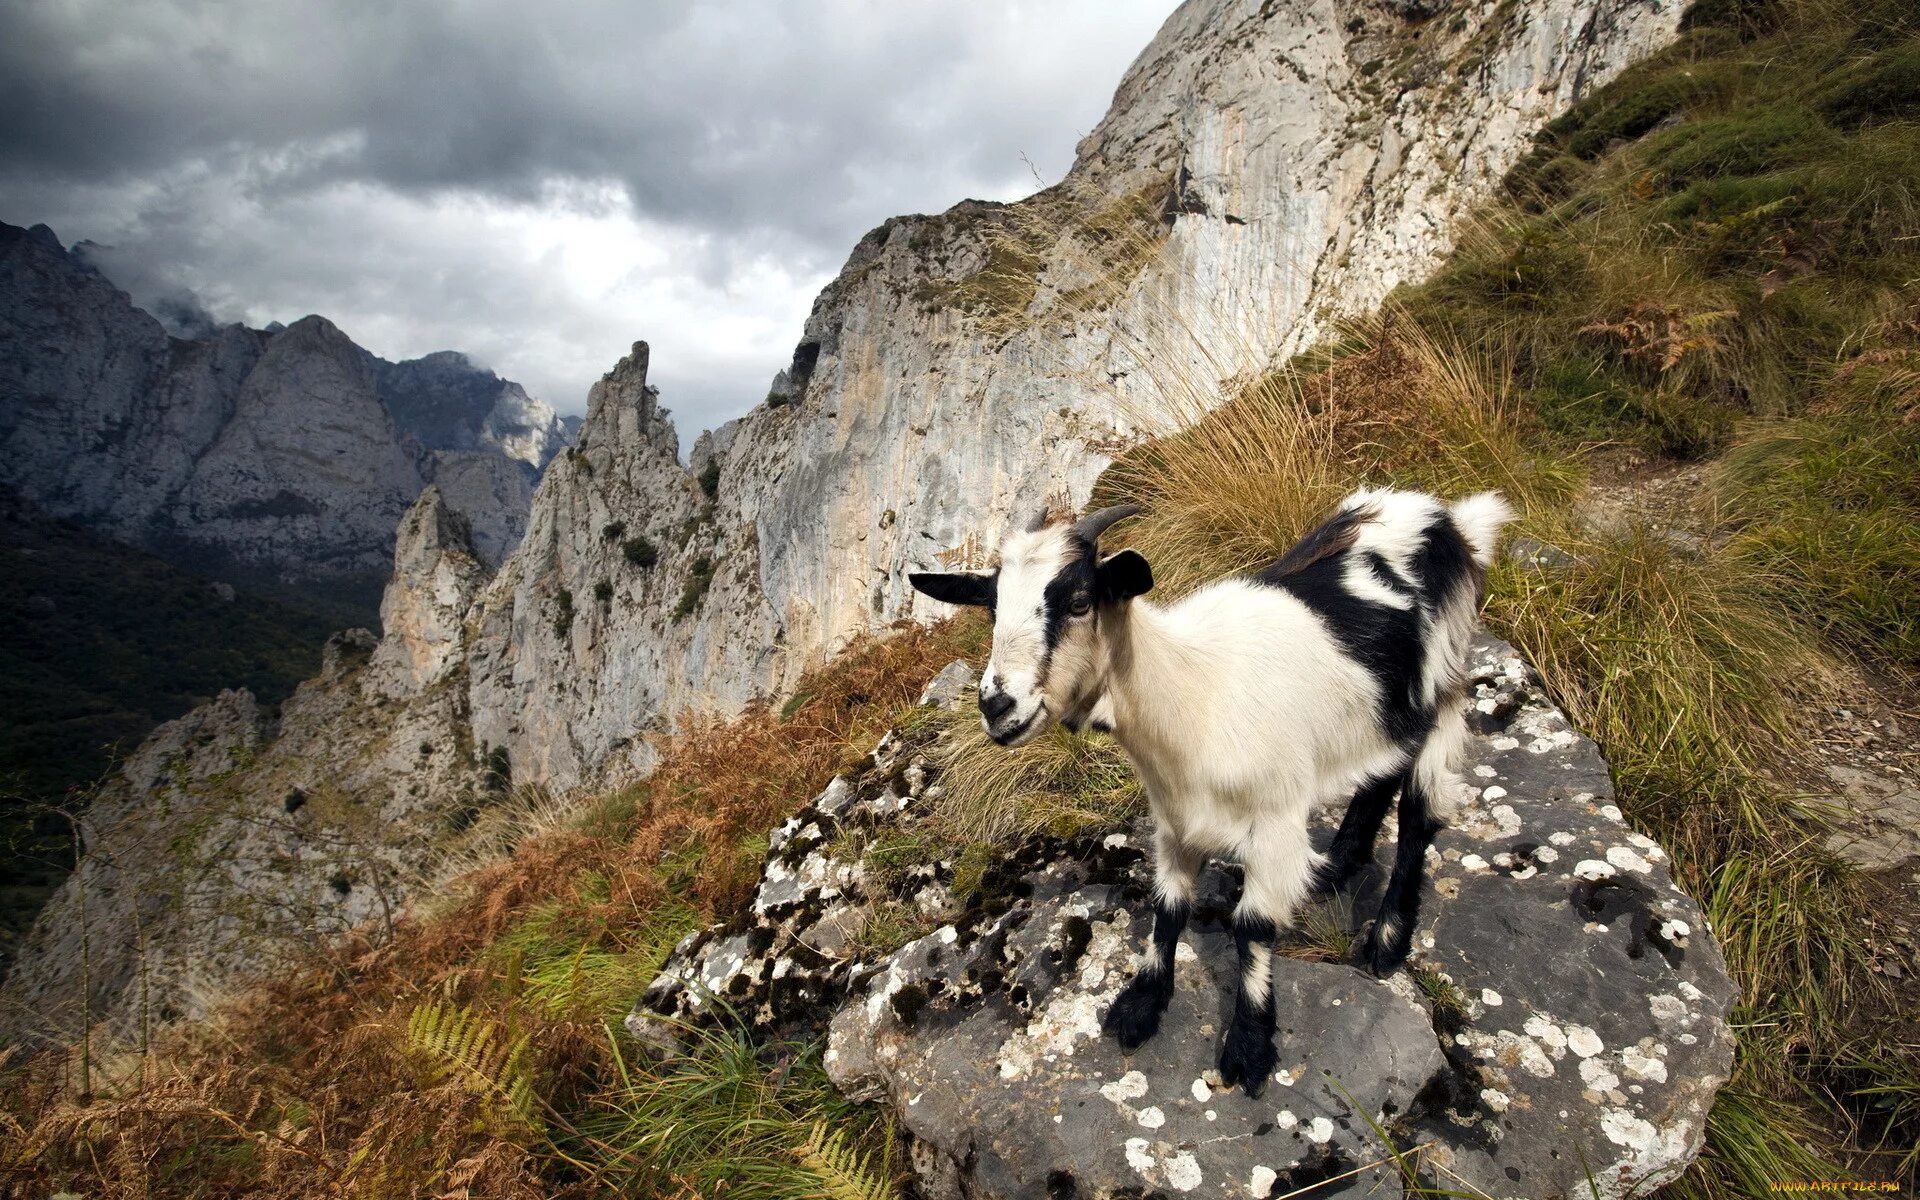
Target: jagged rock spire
(436,575)
(623,408)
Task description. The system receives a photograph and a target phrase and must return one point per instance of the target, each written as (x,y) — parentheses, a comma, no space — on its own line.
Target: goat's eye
(1080,607)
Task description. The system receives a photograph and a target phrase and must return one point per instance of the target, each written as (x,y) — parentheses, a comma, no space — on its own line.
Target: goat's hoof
(1386,946)
(1247,1059)
(1135,1014)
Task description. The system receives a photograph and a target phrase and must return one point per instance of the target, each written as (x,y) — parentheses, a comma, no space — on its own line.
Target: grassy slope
(1709,259)
(104,643)
(1716,259)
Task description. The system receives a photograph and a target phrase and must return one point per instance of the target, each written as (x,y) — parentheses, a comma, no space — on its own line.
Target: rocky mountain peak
(45,237)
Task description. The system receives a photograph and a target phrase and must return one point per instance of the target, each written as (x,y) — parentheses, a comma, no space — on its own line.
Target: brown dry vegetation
(471,1054)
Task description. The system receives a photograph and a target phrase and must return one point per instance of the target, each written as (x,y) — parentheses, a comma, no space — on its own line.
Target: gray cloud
(538,184)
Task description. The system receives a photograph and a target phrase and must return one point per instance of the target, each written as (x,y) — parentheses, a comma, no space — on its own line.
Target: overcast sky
(536,184)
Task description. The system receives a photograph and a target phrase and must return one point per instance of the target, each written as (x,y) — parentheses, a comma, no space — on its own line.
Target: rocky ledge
(1561,1029)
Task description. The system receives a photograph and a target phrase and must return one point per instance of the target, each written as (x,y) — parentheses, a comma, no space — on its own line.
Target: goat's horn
(1094,524)
(1038,520)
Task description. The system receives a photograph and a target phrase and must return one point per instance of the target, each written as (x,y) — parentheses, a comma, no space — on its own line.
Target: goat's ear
(958,587)
(1125,575)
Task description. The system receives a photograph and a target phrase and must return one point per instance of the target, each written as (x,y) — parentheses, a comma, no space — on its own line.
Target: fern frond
(478,1052)
(844,1173)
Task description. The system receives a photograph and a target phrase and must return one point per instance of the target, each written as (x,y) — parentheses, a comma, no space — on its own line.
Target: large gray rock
(1561,1030)
(423,613)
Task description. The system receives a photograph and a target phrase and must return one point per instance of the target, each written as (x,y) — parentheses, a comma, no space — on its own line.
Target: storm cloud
(538,185)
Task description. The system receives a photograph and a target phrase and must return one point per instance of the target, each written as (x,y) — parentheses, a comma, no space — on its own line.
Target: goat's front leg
(1136,1011)
(1280,867)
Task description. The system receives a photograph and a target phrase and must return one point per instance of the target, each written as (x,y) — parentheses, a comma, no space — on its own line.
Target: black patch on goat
(1352,848)
(1391,937)
(1383,639)
(1077,578)
(1388,642)
(1247,1056)
(1135,1013)
(1443,563)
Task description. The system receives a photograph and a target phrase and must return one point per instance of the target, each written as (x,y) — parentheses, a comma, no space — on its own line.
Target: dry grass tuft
(1236,485)
(1059,783)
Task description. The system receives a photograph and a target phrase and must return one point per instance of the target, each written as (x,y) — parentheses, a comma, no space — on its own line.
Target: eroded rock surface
(1561,1031)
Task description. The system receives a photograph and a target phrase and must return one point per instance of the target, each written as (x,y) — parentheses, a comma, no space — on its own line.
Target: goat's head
(1051,597)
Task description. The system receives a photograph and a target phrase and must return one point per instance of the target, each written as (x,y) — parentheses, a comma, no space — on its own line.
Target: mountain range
(276,459)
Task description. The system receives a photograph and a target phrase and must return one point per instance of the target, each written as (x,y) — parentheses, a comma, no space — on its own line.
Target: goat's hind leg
(1136,1011)
(1391,938)
(1280,868)
(1352,848)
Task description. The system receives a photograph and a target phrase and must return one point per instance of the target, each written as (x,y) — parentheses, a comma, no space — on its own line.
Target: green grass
(735,1118)
(1829,516)
(694,591)
(570,964)
(1722,262)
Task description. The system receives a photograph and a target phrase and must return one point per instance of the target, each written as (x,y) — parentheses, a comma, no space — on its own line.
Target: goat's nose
(995,706)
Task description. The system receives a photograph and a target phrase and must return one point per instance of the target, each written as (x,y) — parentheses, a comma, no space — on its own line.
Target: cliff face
(1265,168)
(265,458)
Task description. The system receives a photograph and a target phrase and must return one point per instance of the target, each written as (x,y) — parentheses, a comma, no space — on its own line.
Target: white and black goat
(1336,672)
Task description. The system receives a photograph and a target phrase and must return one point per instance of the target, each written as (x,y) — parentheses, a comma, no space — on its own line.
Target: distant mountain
(279,459)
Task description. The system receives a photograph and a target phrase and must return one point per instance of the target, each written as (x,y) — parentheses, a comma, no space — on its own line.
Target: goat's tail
(1479,518)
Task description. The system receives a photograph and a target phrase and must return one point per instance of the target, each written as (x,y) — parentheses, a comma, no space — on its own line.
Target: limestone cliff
(272,458)
(1294,161)
(1265,168)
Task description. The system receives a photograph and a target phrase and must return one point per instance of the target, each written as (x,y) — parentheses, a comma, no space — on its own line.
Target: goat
(1337,671)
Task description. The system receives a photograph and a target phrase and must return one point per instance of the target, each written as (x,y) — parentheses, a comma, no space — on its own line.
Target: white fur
(1028,562)
(1480,518)
(1241,714)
